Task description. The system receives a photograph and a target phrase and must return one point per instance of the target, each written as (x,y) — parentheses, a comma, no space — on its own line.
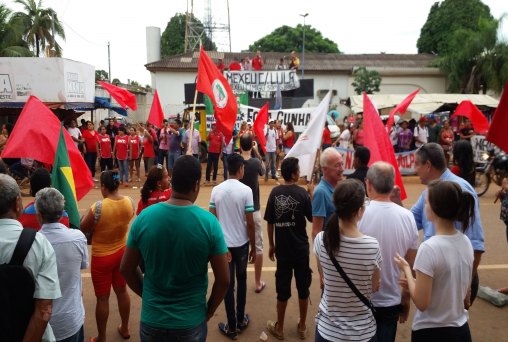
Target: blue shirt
(322,202)
(474,232)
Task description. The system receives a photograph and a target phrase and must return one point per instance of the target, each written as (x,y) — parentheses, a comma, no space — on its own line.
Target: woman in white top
(443,266)
(342,316)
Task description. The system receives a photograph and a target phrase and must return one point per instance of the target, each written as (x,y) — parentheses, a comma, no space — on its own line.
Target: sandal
(224,328)
(263,285)
(302,333)
(271,326)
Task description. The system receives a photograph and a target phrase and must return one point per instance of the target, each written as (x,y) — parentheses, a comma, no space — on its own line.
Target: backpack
(17,288)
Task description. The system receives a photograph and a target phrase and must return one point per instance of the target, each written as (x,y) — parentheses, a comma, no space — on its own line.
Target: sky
(357,26)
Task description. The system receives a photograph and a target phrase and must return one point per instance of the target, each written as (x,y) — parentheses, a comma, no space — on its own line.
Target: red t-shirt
(235,66)
(149,152)
(327,139)
(90,140)
(215,142)
(104,145)
(257,63)
(122,146)
(134,142)
(290,141)
(155,197)
(28,218)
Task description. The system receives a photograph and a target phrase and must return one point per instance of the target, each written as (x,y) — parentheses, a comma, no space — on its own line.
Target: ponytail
(331,237)
(466,212)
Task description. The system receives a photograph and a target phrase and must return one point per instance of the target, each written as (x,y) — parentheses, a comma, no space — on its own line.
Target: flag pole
(191,123)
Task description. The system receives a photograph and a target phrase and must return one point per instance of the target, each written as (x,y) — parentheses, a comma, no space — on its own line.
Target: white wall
(170,87)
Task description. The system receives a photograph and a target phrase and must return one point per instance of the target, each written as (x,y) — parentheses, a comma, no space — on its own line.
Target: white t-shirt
(448,259)
(271,140)
(71,257)
(342,316)
(74,132)
(394,227)
(421,134)
(196,139)
(232,199)
(344,138)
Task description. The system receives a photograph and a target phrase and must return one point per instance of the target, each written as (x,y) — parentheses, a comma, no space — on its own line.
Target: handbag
(352,286)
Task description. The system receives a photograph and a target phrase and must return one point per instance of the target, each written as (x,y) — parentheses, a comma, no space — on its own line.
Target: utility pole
(303,44)
(109,64)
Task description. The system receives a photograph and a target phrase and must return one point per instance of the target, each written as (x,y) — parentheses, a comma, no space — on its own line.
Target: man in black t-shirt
(253,168)
(287,208)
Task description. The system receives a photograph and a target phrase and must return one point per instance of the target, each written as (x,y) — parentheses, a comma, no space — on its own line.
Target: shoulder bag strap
(352,286)
(97,213)
(24,244)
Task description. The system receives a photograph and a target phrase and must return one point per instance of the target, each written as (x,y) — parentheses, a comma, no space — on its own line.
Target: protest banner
(269,80)
(405,161)
(480,147)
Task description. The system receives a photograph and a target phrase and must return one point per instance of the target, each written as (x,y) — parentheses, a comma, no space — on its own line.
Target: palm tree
(11,42)
(41,26)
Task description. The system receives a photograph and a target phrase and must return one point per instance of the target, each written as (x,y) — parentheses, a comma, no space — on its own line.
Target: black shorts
(284,274)
(449,334)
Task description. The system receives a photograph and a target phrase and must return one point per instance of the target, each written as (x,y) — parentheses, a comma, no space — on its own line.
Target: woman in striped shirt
(342,316)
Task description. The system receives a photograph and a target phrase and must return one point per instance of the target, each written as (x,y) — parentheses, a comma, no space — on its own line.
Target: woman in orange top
(109,221)
(156,188)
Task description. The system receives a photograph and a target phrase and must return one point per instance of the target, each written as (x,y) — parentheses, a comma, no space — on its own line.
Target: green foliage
(11,41)
(101,75)
(477,61)
(173,37)
(445,18)
(285,38)
(38,24)
(366,81)
(116,81)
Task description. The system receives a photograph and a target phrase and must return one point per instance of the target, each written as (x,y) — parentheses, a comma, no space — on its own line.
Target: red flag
(401,108)
(156,114)
(378,141)
(259,126)
(212,83)
(122,96)
(29,140)
(499,125)
(467,109)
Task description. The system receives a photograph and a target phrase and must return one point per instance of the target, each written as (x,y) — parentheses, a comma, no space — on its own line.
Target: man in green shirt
(176,240)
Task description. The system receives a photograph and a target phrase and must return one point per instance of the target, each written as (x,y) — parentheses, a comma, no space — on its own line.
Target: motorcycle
(494,169)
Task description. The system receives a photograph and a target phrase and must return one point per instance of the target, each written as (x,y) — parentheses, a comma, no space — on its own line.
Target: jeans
(225,163)
(106,163)
(123,165)
(238,264)
(160,157)
(77,337)
(151,334)
(213,159)
(91,160)
(172,157)
(386,321)
(270,163)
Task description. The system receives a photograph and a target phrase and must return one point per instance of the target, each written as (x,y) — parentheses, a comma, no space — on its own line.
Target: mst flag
(499,124)
(212,83)
(259,126)
(467,109)
(156,115)
(401,108)
(29,140)
(122,96)
(63,180)
(378,141)
(309,141)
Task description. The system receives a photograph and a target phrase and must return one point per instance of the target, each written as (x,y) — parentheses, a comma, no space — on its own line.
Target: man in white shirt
(74,132)
(395,229)
(232,203)
(71,252)
(272,137)
(421,134)
(194,141)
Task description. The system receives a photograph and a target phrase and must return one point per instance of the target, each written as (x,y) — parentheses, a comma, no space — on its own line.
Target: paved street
(487,322)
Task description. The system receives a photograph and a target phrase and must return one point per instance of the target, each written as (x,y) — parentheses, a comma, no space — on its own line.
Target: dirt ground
(487,322)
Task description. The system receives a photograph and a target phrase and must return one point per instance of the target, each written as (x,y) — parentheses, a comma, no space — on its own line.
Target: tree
(366,81)
(11,41)
(285,38)
(476,60)
(101,75)
(445,18)
(40,27)
(116,81)
(173,37)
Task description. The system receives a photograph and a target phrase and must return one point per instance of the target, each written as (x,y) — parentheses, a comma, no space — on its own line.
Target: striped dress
(342,316)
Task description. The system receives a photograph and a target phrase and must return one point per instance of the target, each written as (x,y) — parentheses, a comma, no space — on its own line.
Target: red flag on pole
(499,125)
(212,83)
(122,96)
(259,126)
(28,140)
(156,114)
(378,141)
(467,109)
(401,108)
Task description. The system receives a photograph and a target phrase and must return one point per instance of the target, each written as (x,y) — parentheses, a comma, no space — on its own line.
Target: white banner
(299,117)
(269,80)
(405,160)
(480,146)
